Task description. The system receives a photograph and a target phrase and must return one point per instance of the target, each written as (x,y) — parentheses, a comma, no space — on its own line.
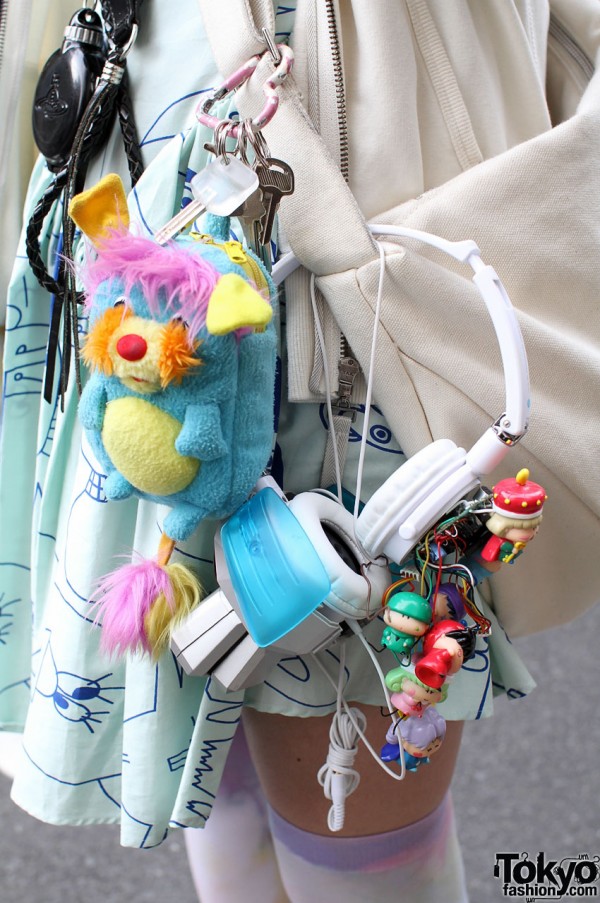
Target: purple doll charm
(420,738)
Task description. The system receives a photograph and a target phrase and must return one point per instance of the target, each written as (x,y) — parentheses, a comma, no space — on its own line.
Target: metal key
(250,213)
(219,188)
(276,180)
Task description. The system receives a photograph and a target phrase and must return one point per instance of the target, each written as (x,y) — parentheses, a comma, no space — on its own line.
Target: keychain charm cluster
(248,186)
(431,617)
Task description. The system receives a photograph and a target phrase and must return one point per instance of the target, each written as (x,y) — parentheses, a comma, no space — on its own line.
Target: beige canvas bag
(534,210)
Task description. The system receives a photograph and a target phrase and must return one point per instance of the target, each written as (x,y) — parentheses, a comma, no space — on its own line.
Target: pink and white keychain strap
(283,58)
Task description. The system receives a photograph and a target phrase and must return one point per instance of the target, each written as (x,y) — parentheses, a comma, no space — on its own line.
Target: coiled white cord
(337,776)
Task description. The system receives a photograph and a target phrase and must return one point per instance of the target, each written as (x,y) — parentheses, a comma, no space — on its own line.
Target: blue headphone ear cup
(351,593)
(406,490)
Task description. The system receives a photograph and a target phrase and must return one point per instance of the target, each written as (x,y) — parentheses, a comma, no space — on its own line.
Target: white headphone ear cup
(404,491)
(351,593)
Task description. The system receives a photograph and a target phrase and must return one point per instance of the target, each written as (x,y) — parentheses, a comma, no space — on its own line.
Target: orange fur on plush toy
(95,347)
(176,357)
(172,348)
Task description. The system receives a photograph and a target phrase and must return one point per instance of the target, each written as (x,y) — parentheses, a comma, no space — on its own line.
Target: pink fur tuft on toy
(139,604)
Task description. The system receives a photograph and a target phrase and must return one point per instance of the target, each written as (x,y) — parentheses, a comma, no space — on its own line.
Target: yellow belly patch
(140,440)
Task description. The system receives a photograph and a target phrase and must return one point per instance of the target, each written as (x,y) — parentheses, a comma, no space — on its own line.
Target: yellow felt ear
(101,208)
(234,304)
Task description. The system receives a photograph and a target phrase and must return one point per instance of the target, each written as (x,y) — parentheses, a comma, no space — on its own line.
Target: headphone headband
(512,424)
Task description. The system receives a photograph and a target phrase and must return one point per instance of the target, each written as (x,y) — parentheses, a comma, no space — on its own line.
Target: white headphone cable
(337,776)
(321,339)
(369,395)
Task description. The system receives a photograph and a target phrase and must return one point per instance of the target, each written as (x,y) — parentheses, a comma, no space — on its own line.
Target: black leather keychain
(85,83)
(66,85)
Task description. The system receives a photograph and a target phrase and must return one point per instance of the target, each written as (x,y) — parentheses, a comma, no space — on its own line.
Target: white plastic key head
(223,185)
(219,188)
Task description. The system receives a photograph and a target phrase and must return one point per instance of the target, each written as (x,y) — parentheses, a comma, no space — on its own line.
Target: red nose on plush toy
(132,347)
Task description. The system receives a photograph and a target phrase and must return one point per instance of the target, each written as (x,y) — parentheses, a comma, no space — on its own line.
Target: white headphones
(357,584)
(431,482)
(214,639)
(222,636)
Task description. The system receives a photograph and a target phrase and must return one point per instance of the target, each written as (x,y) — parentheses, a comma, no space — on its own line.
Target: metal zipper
(570,45)
(3,18)
(348,366)
(348,370)
(340,93)
(237,254)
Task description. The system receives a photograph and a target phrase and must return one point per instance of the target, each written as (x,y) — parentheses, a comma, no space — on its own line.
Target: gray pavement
(527,781)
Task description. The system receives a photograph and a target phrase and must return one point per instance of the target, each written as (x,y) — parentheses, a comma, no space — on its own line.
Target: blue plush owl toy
(179,404)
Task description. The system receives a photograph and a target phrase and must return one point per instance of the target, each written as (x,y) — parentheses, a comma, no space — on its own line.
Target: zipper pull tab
(348,370)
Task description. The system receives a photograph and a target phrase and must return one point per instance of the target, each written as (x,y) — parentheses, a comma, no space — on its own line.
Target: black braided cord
(129,132)
(98,118)
(34,227)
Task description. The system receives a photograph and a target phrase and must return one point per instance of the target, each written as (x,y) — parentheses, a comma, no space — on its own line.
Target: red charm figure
(517,507)
(446,646)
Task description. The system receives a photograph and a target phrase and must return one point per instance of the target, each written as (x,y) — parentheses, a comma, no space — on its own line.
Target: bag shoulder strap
(234,30)
(445,85)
